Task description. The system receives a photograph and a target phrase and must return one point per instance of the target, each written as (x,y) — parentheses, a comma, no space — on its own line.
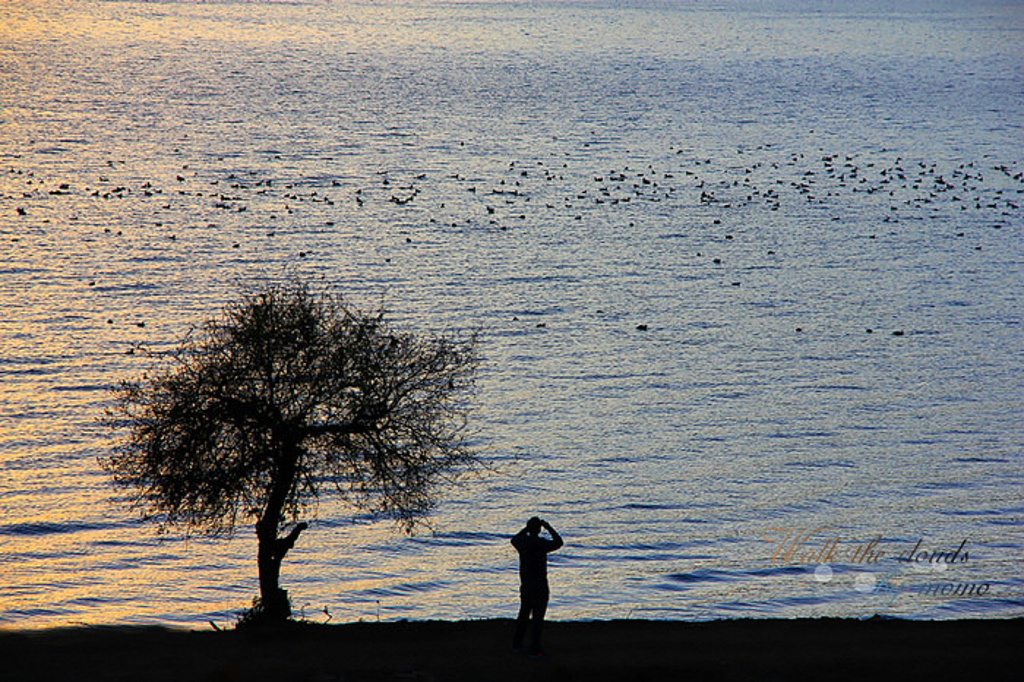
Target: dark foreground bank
(479,650)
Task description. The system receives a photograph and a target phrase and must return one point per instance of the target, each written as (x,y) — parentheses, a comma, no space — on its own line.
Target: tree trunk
(271,550)
(273,600)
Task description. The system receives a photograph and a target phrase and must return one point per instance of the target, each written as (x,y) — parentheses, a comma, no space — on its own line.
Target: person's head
(533,526)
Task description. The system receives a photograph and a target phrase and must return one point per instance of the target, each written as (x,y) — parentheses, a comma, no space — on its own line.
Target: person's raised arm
(555,537)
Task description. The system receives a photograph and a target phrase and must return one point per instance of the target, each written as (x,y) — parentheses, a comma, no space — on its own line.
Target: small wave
(646,547)
(702,576)
(805,601)
(466,539)
(47,528)
(821,463)
(21,615)
(406,589)
(776,570)
(837,387)
(995,460)
(82,388)
(970,512)
(643,505)
(800,434)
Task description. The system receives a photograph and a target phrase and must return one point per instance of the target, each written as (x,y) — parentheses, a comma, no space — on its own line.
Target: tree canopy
(285,396)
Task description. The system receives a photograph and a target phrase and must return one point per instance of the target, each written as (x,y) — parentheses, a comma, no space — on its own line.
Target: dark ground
(939,651)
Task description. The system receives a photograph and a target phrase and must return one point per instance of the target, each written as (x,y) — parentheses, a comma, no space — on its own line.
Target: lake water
(748,276)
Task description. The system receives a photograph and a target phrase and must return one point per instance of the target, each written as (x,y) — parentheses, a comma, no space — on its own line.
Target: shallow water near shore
(747,276)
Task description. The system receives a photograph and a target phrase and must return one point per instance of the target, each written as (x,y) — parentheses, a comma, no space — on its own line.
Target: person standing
(533,576)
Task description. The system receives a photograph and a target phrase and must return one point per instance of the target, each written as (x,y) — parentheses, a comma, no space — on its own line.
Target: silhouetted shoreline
(480,650)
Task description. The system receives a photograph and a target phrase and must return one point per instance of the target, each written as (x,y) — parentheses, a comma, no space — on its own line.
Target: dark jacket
(533,558)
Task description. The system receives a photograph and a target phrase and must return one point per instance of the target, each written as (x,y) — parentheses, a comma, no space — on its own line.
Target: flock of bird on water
(881,189)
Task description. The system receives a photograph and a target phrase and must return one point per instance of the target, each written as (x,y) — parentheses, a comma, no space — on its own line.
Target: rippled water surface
(748,276)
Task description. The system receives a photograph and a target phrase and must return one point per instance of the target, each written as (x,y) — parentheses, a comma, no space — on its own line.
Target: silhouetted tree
(289,394)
